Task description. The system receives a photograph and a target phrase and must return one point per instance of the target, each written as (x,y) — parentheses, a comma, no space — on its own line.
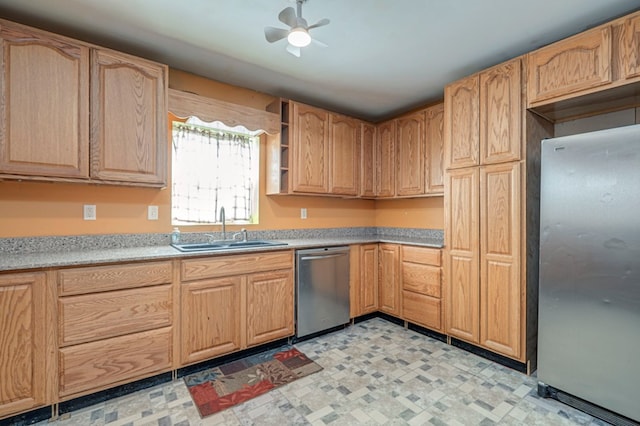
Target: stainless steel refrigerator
(589,299)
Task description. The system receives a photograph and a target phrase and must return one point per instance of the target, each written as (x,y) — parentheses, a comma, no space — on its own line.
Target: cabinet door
(368,278)
(368,161)
(389,292)
(462,123)
(500,113)
(211,318)
(578,63)
(269,307)
(128,119)
(434,131)
(386,159)
(310,147)
(23,337)
(500,287)
(344,137)
(410,151)
(631,47)
(462,254)
(44,103)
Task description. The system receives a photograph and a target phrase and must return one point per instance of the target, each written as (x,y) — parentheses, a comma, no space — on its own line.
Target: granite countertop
(61,258)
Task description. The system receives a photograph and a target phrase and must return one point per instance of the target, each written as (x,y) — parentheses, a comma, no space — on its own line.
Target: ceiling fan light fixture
(299,37)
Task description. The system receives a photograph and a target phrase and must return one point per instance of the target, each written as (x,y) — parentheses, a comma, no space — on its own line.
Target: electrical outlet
(152,213)
(303,213)
(90,212)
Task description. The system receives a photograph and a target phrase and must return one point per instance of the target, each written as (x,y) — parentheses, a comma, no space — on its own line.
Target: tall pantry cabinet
(489,207)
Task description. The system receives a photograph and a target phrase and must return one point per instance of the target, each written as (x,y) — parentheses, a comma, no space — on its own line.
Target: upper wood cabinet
(24,337)
(128,118)
(368,177)
(631,46)
(483,117)
(310,147)
(462,123)
(386,160)
(571,65)
(72,111)
(434,131)
(410,152)
(344,155)
(44,128)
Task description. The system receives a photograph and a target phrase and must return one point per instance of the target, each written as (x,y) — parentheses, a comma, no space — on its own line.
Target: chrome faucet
(243,233)
(224,225)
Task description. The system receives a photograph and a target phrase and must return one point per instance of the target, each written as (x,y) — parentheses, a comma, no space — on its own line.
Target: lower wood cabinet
(115,325)
(233,302)
(422,286)
(389,290)
(364,279)
(24,343)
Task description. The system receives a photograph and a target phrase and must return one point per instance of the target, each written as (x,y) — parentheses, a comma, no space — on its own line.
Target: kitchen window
(213,166)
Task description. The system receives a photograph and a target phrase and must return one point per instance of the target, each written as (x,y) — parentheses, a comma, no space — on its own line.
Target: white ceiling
(384,56)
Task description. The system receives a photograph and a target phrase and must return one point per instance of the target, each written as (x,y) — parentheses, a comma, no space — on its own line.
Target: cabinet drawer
(220,266)
(423,279)
(89,317)
(422,310)
(424,255)
(113,277)
(110,362)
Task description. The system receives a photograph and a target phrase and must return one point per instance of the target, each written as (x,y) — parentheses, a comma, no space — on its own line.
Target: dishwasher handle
(322,256)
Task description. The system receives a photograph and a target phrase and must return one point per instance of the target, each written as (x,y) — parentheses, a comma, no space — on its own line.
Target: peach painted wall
(42,209)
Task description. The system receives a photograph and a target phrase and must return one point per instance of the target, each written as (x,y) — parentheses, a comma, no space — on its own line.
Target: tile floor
(375,373)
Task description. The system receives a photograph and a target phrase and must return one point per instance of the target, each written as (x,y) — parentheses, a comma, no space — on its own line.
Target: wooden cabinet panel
(128,118)
(97,316)
(211,315)
(269,306)
(23,349)
(389,292)
(422,310)
(420,278)
(434,131)
(386,160)
(114,277)
(368,161)
(568,66)
(310,147)
(344,137)
(424,255)
(462,123)
(631,47)
(462,230)
(500,295)
(500,113)
(410,152)
(220,266)
(98,365)
(369,278)
(44,103)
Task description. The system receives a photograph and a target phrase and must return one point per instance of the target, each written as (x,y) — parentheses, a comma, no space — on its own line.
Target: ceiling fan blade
(319,43)
(295,51)
(288,16)
(320,23)
(274,34)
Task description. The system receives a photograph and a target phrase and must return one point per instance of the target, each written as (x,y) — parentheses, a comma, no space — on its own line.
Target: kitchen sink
(226,245)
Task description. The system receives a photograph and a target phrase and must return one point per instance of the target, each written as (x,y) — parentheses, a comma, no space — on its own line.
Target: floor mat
(219,388)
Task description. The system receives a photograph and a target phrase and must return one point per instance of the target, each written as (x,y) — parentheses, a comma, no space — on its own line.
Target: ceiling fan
(298,35)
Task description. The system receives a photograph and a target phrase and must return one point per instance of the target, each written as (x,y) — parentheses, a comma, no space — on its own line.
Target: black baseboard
(491,356)
(427,332)
(546,391)
(28,418)
(296,339)
(390,318)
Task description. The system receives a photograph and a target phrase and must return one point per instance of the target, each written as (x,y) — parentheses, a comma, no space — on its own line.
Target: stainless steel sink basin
(226,245)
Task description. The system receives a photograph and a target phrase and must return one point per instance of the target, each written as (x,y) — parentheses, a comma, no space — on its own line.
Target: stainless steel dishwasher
(322,289)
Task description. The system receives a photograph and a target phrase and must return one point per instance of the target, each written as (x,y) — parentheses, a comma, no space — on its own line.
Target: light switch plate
(89,212)
(152,213)
(303,213)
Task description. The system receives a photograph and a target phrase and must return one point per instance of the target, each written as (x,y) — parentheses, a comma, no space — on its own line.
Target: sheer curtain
(212,169)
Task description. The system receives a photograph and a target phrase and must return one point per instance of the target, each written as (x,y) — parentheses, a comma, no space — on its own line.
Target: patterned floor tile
(375,373)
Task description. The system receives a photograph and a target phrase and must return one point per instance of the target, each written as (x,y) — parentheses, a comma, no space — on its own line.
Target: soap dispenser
(175,236)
